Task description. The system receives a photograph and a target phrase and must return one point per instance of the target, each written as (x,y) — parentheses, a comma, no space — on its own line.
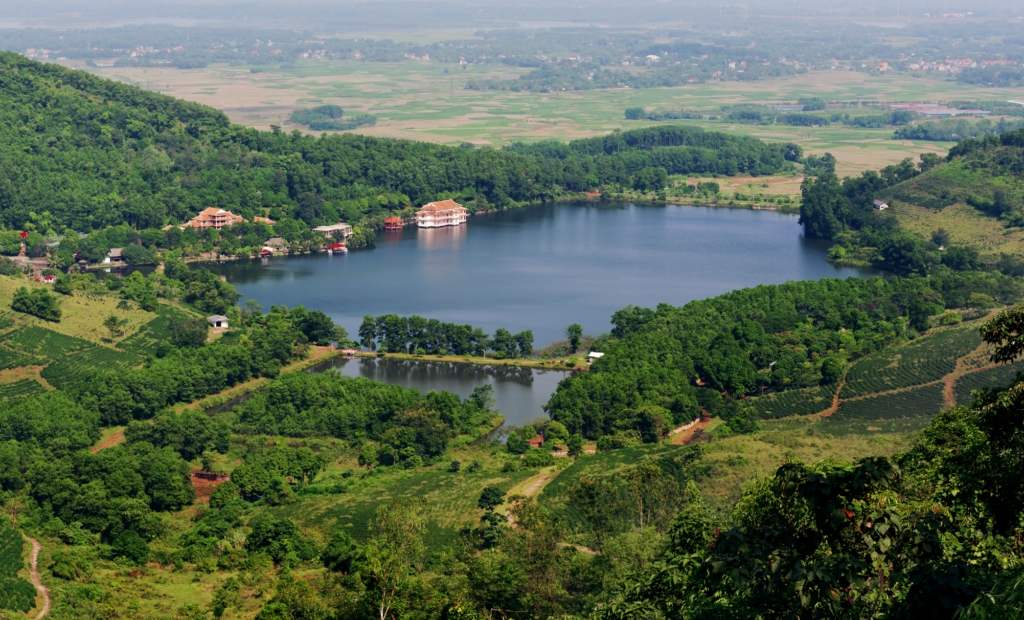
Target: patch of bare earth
(115,438)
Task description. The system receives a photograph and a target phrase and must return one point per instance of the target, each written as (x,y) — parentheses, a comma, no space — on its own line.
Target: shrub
(39,303)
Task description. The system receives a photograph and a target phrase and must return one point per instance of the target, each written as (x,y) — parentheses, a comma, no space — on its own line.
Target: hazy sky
(378,14)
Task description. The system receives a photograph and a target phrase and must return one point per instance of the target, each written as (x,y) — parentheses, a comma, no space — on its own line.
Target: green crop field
(998,377)
(71,369)
(923,360)
(42,343)
(446,500)
(13,359)
(899,412)
(792,402)
(19,389)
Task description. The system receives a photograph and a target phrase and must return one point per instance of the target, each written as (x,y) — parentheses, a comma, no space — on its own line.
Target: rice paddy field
(427,101)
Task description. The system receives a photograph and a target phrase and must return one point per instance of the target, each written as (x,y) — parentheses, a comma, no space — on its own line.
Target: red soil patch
(206,483)
(114,439)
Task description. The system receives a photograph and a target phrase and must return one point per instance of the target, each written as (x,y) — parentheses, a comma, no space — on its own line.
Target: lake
(519,393)
(544,268)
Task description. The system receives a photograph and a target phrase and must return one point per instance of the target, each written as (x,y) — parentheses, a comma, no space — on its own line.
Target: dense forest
(83,153)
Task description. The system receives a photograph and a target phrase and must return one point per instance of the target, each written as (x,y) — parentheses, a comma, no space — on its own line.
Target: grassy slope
(37,354)
(938,199)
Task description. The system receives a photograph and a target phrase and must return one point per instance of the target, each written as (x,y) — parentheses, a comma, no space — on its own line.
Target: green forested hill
(93,153)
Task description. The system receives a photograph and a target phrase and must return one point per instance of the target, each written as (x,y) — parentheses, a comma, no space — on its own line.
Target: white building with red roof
(213,217)
(441,213)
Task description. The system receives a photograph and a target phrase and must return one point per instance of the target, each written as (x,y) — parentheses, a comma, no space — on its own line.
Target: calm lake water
(544,268)
(519,393)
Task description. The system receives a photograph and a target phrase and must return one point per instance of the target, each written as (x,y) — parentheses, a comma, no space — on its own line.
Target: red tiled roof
(441,205)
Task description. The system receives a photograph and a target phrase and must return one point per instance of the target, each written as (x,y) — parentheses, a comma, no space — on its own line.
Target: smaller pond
(519,393)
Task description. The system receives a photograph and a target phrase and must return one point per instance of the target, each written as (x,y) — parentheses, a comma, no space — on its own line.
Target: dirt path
(834,407)
(527,489)
(41,590)
(532,486)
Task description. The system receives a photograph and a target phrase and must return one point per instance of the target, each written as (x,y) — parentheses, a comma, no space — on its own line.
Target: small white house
(880,205)
(217,321)
(593,356)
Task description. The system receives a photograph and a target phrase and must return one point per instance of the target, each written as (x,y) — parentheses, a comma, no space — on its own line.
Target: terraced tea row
(921,361)
(991,378)
(896,412)
(792,402)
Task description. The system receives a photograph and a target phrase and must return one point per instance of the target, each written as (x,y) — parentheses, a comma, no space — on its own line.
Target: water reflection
(519,393)
(447,238)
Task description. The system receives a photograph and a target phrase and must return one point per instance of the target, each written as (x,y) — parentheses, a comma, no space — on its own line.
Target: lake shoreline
(544,268)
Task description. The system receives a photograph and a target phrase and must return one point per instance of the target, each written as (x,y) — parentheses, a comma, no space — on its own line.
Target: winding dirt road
(41,590)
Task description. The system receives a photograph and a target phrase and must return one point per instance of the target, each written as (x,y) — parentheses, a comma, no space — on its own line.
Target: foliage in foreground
(928,534)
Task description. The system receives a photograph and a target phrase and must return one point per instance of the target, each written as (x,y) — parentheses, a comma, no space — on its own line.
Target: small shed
(277,244)
(593,356)
(880,205)
(536,441)
(217,321)
(114,256)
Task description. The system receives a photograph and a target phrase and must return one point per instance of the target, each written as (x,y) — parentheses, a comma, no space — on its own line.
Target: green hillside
(86,153)
(976,196)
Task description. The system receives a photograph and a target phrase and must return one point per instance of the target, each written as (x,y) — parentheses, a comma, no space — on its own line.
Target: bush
(536,457)
(618,440)
(39,303)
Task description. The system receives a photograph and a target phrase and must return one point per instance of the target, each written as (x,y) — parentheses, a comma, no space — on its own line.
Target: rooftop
(441,205)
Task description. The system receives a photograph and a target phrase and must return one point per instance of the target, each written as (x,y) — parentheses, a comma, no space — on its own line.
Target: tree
(62,285)
(393,556)
(115,326)
(490,498)
(575,445)
(140,289)
(574,333)
(341,553)
(188,332)
(524,343)
(824,207)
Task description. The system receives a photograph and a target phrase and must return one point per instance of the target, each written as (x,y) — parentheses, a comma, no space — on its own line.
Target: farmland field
(898,412)
(43,343)
(70,369)
(146,339)
(446,500)
(427,101)
(920,361)
(792,402)
(19,389)
(997,377)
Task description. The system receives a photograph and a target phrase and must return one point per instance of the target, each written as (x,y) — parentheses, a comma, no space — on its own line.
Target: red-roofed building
(213,217)
(441,213)
(536,441)
(393,223)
